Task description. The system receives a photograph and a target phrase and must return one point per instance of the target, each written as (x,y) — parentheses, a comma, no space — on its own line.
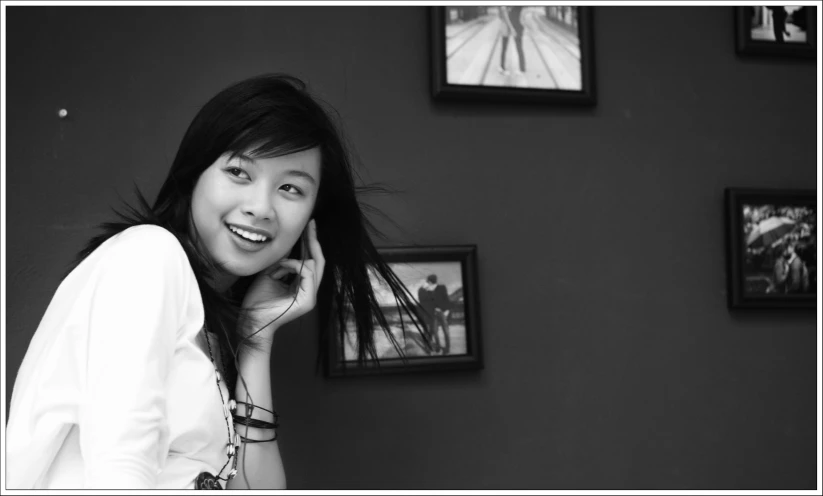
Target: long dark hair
(273,115)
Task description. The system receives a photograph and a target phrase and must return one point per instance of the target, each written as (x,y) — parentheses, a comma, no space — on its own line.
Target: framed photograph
(778,30)
(771,240)
(442,281)
(513,53)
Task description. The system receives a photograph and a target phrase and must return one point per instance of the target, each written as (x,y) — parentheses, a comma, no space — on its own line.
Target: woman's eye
(293,189)
(235,171)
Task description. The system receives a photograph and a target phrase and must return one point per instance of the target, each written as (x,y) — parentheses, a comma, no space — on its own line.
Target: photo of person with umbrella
(770,231)
(791,275)
(777,241)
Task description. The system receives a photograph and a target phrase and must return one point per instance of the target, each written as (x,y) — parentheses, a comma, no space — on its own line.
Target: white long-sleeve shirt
(116,390)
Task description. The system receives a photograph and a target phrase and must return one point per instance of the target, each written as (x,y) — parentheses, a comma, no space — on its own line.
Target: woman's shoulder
(148,234)
(144,243)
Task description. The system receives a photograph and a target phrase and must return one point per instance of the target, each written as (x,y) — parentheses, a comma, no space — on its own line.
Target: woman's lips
(246,245)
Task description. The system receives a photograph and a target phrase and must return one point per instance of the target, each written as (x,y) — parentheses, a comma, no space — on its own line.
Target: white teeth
(250,236)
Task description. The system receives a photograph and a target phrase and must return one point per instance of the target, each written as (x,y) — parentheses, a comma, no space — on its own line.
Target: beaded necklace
(206,480)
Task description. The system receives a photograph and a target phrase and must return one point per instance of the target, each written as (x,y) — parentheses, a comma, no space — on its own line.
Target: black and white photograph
(513,51)
(776,30)
(774,250)
(410,247)
(441,284)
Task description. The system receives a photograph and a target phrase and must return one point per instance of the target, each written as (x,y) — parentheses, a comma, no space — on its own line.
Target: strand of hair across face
(234,353)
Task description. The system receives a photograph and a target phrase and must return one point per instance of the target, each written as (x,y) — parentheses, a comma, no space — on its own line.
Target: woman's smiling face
(249,212)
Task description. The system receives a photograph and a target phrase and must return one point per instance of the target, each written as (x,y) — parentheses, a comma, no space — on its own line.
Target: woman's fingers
(279,272)
(307,277)
(310,270)
(316,251)
(307,266)
(295,266)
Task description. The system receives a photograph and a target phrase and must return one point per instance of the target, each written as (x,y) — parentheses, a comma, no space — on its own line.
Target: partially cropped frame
(442,281)
(771,248)
(511,53)
(785,31)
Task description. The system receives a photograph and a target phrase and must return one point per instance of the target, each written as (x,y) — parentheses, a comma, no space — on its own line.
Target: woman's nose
(259,204)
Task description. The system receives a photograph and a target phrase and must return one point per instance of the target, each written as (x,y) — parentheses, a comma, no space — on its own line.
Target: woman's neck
(222,282)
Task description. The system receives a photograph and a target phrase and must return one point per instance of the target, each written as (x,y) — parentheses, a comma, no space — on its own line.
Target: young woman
(150,367)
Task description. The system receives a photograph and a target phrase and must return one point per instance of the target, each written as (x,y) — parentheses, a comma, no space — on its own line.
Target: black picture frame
(457,266)
(757,228)
(761,39)
(553,61)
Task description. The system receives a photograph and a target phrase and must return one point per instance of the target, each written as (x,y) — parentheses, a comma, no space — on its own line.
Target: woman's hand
(270,302)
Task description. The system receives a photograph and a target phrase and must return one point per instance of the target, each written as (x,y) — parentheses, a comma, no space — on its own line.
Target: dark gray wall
(611,358)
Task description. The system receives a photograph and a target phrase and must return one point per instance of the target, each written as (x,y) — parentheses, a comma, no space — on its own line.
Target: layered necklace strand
(234,444)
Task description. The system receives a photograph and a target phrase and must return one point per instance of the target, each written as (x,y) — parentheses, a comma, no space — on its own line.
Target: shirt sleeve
(137,305)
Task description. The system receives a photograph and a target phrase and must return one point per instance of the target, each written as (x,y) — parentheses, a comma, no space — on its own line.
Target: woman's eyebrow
(303,174)
(245,158)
